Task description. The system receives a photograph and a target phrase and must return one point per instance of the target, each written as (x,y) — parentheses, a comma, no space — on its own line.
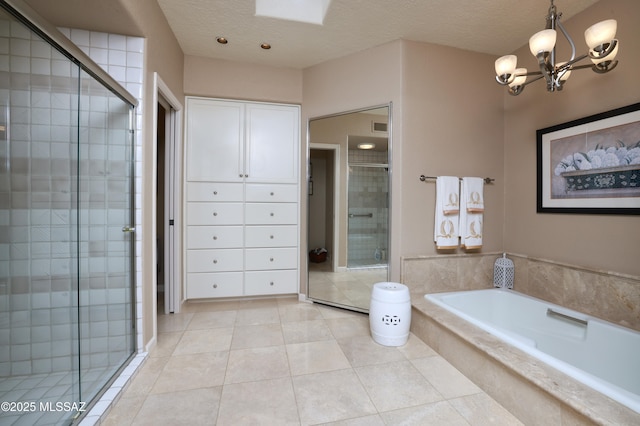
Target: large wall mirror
(348,205)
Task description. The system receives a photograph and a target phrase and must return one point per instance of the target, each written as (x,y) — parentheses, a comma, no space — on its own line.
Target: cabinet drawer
(271,193)
(271,258)
(271,214)
(271,282)
(221,284)
(271,236)
(212,237)
(214,260)
(214,213)
(208,191)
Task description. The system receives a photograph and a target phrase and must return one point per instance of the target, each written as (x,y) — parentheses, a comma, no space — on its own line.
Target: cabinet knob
(215,238)
(215,260)
(246,175)
(271,283)
(272,214)
(215,214)
(240,175)
(215,192)
(215,286)
(271,259)
(272,194)
(271,236)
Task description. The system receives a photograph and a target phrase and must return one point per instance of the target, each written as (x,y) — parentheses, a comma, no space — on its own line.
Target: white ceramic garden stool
(390,313)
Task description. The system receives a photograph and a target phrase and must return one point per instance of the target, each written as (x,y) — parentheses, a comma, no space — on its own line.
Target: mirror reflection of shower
(348,206)
(368,200)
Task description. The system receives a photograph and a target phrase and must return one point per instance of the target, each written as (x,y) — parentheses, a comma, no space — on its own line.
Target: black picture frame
(576,171)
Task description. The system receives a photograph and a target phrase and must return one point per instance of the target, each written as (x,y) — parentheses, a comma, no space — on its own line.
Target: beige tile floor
(284,362)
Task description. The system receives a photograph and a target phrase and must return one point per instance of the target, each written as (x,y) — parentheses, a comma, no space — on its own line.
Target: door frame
(173,194)
(336,198)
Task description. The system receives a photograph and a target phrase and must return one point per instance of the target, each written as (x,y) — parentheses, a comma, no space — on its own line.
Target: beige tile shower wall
(610,296)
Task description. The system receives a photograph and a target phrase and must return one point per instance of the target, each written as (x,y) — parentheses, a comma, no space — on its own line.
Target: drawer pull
(215,261)
(215,213)
(271,283)
(215,286)
(272,194)
(215,192)
(215,237)
(272,214)
(271,236)
(271,259)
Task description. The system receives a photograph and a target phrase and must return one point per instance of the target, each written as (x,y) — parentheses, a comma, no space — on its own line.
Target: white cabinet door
(272,138)
(215,140)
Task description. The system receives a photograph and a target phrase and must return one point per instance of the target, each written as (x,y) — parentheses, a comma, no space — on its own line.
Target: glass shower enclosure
(368,198)
(66,240)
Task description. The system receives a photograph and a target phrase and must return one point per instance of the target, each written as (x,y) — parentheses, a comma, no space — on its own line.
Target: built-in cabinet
(242,198)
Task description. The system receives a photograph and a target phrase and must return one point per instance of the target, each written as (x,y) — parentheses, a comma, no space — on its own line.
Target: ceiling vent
(378,127)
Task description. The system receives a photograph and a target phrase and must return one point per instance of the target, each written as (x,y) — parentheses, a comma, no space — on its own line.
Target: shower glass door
(105,239)
(66,288)
(368,196)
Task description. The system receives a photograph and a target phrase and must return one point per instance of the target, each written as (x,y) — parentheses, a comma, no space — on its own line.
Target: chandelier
(603,48)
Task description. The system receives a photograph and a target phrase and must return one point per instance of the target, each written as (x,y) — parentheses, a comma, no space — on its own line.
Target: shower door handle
(128,229)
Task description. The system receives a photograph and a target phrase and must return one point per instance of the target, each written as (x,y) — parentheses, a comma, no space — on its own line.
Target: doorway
(324,175)
(168,159)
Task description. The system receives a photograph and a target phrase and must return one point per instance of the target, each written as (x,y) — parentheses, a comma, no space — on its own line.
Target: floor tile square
(396,385)
(255,336)
(331,396)
(189,407)
(315,357)
(248,365)
(264,402)
(192,372)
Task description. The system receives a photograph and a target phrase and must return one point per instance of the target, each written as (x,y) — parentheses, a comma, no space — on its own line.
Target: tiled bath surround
(507,374)
(606,295)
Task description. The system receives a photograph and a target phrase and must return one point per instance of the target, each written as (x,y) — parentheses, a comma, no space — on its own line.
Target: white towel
(445,232)
(471,212)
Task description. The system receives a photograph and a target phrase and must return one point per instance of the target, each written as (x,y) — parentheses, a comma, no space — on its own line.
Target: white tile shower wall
(123,58)
(39,219)
(367,195)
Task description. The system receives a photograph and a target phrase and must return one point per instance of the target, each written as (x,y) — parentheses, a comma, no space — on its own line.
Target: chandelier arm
(574,60)
(569,39)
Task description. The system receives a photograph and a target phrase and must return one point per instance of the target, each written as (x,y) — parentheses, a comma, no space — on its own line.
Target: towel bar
(423,178)
(360,215)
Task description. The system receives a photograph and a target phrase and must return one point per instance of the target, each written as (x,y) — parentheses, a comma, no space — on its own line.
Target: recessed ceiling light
(366,145)
(265,46)
(222,40)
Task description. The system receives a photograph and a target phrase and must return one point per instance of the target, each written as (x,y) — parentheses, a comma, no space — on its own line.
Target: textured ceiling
(489,26)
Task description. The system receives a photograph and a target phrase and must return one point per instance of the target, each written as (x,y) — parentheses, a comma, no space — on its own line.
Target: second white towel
(471,212)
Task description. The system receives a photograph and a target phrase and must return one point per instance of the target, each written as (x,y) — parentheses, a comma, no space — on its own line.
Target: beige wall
(452,125)
(164,56)
(236,80)
(608,243)
(368,78)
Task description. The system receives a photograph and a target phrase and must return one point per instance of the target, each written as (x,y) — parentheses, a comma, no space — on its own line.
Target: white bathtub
(599,354)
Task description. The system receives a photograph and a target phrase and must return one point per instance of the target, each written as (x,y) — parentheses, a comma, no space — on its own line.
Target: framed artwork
(591,165)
